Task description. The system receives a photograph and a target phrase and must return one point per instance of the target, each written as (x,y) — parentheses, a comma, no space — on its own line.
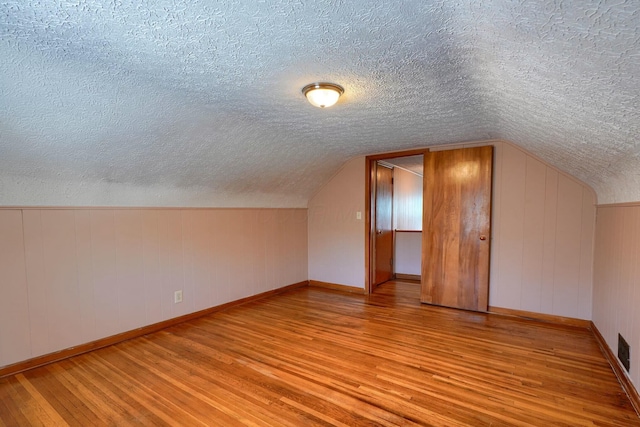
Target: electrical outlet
(177,297)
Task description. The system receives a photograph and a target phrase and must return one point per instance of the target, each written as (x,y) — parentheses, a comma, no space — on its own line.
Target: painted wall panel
(297,248)
(259,268)
(549,244)
(336,236)
(151,265)
(61,274)
(407,200)
(86,299)
(626,257)
(533,235)
(631,315)
(407,215)
(198,268)
(566,289)
(268,224)
(616,279)
(251,251)
(171,261)
(77,275)
(37,286)
(105,276)
(241,246)
(14,303)
(511,227)
(408,253)
(587,235)
(543,228)
(130,277)
(222,256)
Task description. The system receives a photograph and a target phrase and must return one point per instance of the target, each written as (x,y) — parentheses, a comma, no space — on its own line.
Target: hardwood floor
(315,356)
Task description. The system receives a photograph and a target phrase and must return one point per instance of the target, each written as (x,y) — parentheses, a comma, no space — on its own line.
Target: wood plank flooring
(315,356)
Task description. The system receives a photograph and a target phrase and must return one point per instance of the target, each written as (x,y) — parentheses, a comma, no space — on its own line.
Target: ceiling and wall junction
(176,103)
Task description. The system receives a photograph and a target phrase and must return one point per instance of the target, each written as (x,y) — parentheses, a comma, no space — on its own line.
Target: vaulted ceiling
(198,103)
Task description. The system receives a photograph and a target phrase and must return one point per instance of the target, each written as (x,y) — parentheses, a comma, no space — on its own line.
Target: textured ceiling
(198,103)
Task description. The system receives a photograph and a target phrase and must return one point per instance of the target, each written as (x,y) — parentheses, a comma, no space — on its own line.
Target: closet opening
(394,217)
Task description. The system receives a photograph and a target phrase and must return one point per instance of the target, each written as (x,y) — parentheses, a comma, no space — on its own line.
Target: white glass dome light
(322,95)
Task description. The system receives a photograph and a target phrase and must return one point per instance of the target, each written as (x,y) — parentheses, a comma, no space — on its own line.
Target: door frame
(370,188)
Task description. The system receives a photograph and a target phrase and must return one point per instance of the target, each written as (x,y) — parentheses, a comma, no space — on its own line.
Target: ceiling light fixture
(322,94)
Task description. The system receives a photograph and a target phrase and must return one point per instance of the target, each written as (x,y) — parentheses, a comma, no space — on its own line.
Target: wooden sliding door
(457,228)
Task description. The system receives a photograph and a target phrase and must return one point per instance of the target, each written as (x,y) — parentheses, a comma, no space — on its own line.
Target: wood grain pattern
(541,317)
(336,286)
(414,277)
(315,356)
(457,228)
(383,237)
(134,333)
(618,369)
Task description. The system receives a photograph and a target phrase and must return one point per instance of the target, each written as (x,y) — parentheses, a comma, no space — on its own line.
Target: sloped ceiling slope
(198,103)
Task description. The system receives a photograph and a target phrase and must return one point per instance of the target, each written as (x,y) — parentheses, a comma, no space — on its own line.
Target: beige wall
(616,289)
(407,200)
(543,231)
(336,236)
(407,215)
(542,234)
(71,276)
(408,253)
